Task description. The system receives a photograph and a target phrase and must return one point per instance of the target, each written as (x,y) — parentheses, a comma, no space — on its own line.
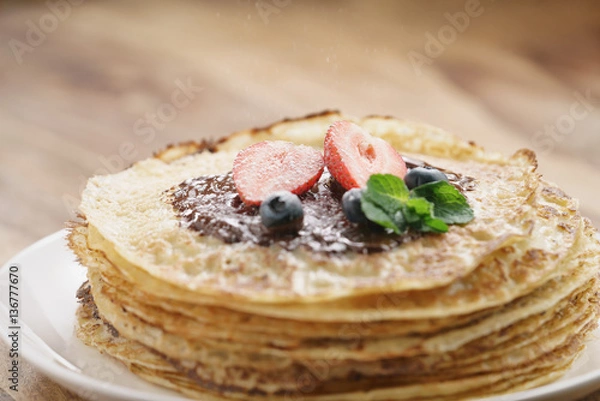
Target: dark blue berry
(422,175)
(351,206)
(282,210)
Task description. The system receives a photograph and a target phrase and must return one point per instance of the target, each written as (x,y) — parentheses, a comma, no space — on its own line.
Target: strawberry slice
(269,166)
(352,155)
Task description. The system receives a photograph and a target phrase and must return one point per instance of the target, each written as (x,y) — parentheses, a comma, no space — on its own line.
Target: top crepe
(135,225)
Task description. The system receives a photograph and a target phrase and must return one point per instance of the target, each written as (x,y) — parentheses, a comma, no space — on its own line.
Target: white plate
(49,276)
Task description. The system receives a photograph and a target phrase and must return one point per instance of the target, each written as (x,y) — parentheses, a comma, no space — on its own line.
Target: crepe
(503,303)
(135,221)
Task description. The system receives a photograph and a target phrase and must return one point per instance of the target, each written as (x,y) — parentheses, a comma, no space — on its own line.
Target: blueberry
(351,206)
(282,210)
(422,175)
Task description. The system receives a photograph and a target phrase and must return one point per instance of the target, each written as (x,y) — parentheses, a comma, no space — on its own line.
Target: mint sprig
(449,205)
(387,202)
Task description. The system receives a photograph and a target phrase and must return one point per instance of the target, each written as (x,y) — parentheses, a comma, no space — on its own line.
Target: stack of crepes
(503,303)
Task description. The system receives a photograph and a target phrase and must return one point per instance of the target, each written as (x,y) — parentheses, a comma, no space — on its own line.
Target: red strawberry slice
(352,155)
(270,166)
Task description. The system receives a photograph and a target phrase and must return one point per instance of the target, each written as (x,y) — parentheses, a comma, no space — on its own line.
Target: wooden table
(87,87)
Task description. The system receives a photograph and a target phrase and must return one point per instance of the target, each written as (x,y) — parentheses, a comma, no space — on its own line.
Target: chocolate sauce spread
(211,205)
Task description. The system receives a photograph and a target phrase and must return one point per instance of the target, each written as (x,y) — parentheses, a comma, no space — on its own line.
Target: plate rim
(79,381)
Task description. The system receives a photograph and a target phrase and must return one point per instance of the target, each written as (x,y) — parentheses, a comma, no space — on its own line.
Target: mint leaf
(379,216)
(431,207)
(436,225)
(419,215)
(387,191)
(449,205)
(383,199)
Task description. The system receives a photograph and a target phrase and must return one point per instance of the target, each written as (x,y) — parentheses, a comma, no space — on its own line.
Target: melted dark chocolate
(210,205)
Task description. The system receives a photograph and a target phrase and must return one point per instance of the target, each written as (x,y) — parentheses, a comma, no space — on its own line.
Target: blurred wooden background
(91,86)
